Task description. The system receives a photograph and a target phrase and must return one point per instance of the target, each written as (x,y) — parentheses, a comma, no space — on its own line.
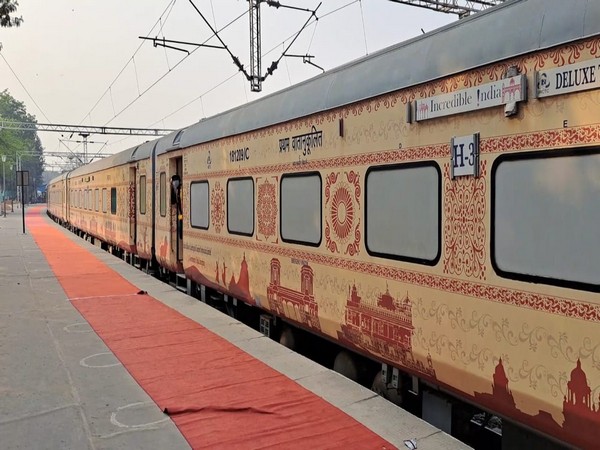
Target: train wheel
(346,365)
(287,338)
(389,393)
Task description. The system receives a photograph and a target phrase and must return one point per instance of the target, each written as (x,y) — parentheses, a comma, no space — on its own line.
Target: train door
(66,204)
(132,206)
(176,207)
(69,196)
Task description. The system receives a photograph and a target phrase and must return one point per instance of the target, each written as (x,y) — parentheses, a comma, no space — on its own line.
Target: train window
(199,205)
(104,200)
(545,218)
(97,200)
(113,200)
(403,212)
(240,206)
(301,208)
(163,194)
(143,194)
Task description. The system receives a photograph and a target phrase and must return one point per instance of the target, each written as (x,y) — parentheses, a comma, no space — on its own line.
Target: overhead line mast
(254,76)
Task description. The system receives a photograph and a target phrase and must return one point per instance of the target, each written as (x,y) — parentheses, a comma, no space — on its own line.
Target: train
(430,210)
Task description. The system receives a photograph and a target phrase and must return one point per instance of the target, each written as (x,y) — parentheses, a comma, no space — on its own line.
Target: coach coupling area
(61,386)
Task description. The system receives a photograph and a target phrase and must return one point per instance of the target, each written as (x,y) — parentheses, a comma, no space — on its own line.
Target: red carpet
(217,395)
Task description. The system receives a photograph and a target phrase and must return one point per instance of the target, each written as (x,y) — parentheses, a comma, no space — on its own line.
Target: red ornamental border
(545,139)
(588,134)
(539,302)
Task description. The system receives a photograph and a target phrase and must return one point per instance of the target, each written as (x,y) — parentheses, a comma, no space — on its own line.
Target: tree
(7,10)
(19,145)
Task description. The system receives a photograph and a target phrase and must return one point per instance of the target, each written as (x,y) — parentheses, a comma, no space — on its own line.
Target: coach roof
(514,28)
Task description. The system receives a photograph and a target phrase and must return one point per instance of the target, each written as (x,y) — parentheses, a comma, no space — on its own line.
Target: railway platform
(97,354)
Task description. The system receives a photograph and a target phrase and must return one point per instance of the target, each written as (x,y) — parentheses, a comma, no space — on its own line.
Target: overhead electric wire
(362,16)
(212,7)
(170,70)
(199,97)
(24,88)
(171,4)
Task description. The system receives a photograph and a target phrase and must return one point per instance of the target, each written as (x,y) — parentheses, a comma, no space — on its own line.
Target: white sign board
(464,155)
(496,93)
(571,78)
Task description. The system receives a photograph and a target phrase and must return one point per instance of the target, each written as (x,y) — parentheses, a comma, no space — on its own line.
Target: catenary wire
(24,88)
(199,97)
(171,3)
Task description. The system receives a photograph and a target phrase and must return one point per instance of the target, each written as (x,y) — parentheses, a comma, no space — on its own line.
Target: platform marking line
(74,391)
(78,324)
(83,362)
(39,413)
(114,421)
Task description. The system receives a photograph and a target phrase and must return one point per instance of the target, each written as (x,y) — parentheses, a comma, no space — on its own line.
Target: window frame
(162,194)
(237,233)
(191,204)
(104,200)
(532,155)
(298,175)
(113,205)
(394,257)
(142,190)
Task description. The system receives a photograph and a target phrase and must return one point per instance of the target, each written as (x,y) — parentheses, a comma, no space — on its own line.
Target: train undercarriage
(470,424)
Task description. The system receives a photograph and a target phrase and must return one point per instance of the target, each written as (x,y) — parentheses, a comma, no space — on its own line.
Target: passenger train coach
(432,208)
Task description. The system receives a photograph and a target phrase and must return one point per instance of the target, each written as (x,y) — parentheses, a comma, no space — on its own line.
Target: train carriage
(142,159)
(168,207)
(103,203)
(58,198)
(432,206)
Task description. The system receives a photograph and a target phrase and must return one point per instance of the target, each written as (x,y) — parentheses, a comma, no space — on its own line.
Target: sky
(82,62)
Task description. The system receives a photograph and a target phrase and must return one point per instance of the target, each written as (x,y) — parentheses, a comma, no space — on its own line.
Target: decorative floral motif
(185,203)
(266,208)
(217,204)
(464,227)
(342,212)
(131,191)
(123,200)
